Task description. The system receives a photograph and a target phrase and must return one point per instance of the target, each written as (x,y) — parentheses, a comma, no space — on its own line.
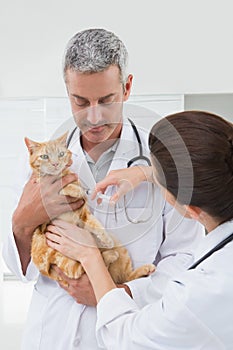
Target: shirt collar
(110,149)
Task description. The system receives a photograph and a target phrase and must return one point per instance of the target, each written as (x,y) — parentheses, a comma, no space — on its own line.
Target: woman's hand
(70,240)
(125,180)
(79,244)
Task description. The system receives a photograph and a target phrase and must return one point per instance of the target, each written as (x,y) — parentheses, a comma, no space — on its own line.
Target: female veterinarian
(196,308)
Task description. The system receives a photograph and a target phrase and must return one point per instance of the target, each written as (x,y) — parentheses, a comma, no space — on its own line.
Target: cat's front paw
(73,190)
(110,256)
(149,269)
(103,239)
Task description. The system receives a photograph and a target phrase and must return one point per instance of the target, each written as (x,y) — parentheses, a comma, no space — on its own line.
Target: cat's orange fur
(52,157)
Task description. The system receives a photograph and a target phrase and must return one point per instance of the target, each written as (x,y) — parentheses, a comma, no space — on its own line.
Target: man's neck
(95,150)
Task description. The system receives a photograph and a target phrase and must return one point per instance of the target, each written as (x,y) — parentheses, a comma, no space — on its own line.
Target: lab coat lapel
(80,165)
(127,147)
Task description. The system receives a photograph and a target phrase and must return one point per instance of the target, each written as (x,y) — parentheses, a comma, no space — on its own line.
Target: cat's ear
(31,145)
(62,139)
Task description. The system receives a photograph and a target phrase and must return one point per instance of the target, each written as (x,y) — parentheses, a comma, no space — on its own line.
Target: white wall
(175,46)
(221,104)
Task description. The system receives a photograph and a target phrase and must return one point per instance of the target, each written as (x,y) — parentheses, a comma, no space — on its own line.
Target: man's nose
(94,114)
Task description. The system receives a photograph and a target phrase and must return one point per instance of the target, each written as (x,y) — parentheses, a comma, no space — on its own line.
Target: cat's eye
(44,156)
(61,154)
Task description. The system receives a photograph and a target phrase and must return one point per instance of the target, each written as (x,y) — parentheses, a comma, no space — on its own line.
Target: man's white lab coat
(55,320)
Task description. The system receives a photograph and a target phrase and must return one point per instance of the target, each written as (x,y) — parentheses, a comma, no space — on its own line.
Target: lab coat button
(76,342)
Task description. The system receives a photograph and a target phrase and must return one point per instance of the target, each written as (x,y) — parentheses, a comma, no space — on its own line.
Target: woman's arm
(125,180)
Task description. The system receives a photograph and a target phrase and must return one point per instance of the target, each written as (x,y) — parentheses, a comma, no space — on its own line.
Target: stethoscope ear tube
(70,137)
(131,161)
(140,157)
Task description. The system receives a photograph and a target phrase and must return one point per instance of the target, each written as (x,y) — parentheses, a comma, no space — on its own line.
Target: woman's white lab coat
(195,312)
(55,320)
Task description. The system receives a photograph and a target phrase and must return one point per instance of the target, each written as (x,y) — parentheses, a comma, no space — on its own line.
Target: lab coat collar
(213,238)
(127,134)
(125,150)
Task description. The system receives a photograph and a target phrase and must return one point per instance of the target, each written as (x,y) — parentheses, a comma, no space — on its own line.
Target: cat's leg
(141,271)
(40,252)
(45,257)
(104,240)
(85,219)
(73,190)
(122,270)
(110,256)
(70,267)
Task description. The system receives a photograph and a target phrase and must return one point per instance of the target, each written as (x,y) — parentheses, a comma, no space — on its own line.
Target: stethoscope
(213,250)
(129,164)
(140,156)
(131,161)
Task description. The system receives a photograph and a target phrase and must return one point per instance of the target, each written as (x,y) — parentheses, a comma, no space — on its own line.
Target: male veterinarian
(97,83)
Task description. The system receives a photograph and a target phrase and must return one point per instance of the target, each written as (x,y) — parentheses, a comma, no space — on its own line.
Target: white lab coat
(55,320)
(194,313)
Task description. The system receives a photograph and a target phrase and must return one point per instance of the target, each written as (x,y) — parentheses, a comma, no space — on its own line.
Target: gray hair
(94,50)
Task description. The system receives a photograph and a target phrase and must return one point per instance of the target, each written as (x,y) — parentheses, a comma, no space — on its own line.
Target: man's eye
(81,103)
(44,156)
(107,101)
(61,154)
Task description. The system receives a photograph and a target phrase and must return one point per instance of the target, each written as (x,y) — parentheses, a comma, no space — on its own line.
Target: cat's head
(50,157)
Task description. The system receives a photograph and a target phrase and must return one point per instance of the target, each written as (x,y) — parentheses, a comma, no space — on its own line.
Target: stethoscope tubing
(129,164)
(131,161)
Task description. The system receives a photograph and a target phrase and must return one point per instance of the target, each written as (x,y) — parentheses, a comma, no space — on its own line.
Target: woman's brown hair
(192,153)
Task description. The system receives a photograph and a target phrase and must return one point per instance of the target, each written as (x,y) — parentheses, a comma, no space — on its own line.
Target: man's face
(97,101)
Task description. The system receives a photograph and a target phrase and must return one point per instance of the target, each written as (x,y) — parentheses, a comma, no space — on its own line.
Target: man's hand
(80,289)
(41,202)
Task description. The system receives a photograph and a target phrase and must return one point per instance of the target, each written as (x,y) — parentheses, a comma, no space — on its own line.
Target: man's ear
(193,212)
(127,87)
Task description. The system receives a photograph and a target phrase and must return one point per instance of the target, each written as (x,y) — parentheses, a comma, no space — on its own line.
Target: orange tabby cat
(52,158)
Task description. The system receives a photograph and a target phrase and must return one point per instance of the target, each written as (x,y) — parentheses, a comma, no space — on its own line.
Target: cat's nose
(55,165)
